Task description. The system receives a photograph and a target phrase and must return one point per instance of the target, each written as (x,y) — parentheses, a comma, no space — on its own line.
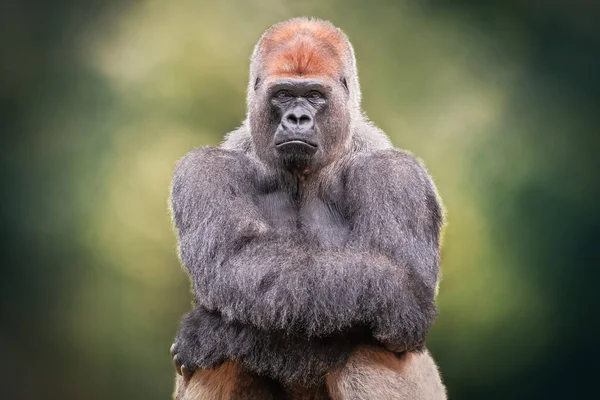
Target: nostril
(305,119)
(293,119)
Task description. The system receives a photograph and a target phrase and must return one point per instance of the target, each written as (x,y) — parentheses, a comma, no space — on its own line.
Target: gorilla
(311,243)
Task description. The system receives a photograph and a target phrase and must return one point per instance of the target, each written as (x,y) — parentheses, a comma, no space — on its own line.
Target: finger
(177,364)
(186,373)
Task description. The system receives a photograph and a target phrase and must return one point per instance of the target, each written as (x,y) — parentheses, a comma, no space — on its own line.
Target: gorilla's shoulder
(209,161)
(389,163)
(398,176)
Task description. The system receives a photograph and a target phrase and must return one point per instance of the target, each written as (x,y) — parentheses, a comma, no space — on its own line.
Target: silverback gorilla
(312,244)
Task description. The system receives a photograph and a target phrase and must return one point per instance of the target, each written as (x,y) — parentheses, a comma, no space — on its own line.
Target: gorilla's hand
(405,328)
(198,344)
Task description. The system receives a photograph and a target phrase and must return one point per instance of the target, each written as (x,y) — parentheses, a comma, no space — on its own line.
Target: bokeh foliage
(99,99)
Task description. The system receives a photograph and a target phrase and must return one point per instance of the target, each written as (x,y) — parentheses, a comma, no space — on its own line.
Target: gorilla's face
(296,106)
(305,123)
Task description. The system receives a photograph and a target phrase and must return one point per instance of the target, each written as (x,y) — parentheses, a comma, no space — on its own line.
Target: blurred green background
(501,99)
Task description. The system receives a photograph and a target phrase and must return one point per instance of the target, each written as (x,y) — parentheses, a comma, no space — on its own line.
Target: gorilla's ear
(343,80)
(256,83)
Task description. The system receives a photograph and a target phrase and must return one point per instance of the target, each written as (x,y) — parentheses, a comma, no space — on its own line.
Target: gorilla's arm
(212,205)
(205,341)
(397,216)
(385,277)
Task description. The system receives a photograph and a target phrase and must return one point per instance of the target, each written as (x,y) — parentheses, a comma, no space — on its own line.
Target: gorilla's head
(303,95)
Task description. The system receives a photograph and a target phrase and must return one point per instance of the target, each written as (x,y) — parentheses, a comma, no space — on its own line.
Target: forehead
(297,84)
(303,50)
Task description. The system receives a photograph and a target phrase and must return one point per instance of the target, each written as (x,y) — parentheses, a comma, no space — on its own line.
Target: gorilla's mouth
(301,142)
(296,148)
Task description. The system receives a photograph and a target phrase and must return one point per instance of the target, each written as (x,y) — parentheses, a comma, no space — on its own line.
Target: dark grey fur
(290,273)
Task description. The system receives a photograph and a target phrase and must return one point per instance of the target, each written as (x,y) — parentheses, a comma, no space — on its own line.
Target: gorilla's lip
(296,141)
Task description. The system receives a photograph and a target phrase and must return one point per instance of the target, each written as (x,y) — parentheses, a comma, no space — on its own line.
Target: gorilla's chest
(310,218)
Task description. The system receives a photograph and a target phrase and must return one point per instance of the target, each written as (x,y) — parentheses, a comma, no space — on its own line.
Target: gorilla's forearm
(205,340)
(279,285)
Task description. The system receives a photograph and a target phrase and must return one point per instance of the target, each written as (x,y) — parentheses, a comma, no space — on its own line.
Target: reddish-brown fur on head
(306,48)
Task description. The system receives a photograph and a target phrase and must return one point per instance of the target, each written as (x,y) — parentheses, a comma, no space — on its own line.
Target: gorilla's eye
(283,94)
(315,95)
(344,83)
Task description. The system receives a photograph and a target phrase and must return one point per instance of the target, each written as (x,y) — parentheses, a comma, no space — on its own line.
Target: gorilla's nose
(298,119)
